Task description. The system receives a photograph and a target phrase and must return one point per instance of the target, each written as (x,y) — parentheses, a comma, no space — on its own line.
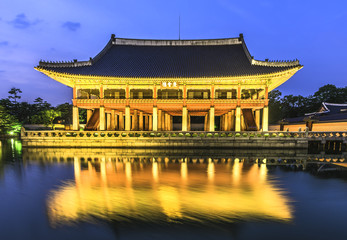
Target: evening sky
(314,32)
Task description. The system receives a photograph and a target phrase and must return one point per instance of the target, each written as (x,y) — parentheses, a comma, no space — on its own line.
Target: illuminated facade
(141,85)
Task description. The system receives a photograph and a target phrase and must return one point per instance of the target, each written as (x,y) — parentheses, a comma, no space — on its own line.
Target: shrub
(274,135)
(159,134)
(281,135)
(195,135)
(89,134)
(180,135)
(152,134)
(116,134)
(238,135)
(124,134)
(252,135)
(223,135)
(81,134)
(259,135)
(209,135)
(266,135)
(144,134)
(173,135)
(187,135)
(230,135)
(202,135)
(244,134)
(131,134)
(109,134)
(96,134)
(216,135)
(102,134)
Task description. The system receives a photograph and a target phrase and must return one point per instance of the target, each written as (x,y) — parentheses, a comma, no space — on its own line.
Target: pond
(159,194)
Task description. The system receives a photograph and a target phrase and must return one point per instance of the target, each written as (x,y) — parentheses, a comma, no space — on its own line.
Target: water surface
(149,194)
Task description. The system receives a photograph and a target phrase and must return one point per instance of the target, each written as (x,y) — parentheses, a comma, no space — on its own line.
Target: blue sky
(315,32)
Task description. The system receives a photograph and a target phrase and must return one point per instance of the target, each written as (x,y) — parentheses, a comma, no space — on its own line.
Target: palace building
(148,85)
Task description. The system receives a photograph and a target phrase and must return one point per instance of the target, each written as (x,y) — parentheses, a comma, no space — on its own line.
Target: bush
(244,134)
(209,135)
(230,135)
(96,134)
(81,134)
(223,135)
(274,135)
(144,134)
(180,135)
(102,134)
(116,134)
(137,134)
(187,135)
(195,135)
(173,135)
(216,135)
(159,134)
(89,134)
(152,134)
(259,135)
(109,134)
(238,135)
(266,135)
(131,134)
(124,134)
(251,135)
(281,135)
(202,135)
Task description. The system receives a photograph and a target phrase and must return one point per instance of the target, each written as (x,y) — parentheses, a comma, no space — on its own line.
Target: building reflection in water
(163,190)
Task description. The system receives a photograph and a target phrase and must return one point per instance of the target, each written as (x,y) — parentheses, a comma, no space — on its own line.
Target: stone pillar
(229,121)
(155,119)
(108,121)
(121,121)
(127,118)
(243,124)
(141,121)
(136,120)
(211,127)
(145,125)
(232,120)
(226,122)
(163,121)
(89,114)
(238,119)
(75,119)
(189,122)
(159,124)
(113,123)
(116,123)
(102,118)
(150,123)
(205,122)
(266,119)
(184,119)
(257,118)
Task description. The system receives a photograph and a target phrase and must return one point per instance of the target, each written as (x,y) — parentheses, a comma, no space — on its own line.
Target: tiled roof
(155,58)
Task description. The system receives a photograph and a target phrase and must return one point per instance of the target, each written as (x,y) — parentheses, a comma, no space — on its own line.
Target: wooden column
(155,119)
(221,123)
(141,121)
(75,118)
(127,118)
(171,123)
(211,126)
(102,121)
(238,119)
(136,121)
(184,119)
(121,121)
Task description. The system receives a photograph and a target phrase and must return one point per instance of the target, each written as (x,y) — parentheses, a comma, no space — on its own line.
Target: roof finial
(113,36)
(241,37)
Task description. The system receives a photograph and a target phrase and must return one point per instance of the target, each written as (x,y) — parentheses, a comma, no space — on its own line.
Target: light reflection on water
(166,191)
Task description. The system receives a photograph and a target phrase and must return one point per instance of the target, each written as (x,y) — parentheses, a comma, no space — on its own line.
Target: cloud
(22,22)
(72,26)
(3,43)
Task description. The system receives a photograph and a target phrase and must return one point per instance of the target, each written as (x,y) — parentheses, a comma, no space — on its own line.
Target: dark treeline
(14,113)
(290,106)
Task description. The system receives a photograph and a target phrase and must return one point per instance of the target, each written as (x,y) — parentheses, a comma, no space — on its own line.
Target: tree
(8,123)
(48,117)
(14,94)
(275,108)
(66,112)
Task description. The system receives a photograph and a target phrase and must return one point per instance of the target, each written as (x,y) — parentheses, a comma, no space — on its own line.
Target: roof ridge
(276,63)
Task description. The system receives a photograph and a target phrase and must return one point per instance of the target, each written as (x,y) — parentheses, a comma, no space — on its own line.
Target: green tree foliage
(14,94)
(8,123)
(291,106)
(48,117)
(66,112)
